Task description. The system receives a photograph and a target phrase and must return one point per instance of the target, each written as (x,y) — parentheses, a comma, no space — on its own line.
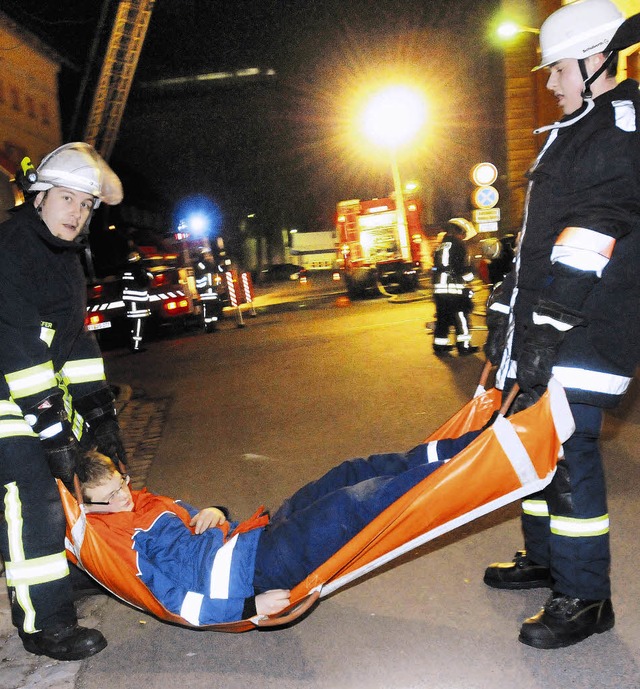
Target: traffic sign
(485,197)
(485,215)
(484,174)
(488,227)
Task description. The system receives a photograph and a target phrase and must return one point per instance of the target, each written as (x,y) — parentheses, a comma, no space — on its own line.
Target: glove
(497,326)
(542,340)
(101,427)
(109,441)
(537,356)
(523,401)
(48,418)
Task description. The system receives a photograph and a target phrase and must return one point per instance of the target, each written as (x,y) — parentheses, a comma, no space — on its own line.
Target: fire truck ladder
(117,72)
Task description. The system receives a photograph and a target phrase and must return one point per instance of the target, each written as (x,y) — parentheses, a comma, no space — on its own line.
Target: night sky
(280,148)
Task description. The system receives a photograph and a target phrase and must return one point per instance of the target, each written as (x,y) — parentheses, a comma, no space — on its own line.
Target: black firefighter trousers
(32,532)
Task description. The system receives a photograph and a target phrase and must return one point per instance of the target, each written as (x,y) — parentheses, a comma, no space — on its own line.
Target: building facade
(29,103)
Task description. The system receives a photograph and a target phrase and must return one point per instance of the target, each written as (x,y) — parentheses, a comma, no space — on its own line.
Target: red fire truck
(372,253)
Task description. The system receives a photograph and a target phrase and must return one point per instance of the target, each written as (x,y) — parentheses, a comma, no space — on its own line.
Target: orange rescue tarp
(513,458)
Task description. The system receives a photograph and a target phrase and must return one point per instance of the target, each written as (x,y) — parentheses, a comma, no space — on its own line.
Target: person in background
(571,308)
(453,296)
(135,294)
(53,393)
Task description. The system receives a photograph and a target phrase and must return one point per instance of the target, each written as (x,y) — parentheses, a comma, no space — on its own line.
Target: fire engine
(372,254)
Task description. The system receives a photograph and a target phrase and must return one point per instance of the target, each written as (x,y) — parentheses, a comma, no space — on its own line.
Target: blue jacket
(204,578)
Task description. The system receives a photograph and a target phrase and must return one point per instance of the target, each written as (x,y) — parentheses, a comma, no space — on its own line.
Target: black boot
(68,642)
(441,349)
(565,621)
(466,349)
(520,573)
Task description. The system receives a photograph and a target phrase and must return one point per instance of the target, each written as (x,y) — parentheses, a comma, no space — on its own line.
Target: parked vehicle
(283,271)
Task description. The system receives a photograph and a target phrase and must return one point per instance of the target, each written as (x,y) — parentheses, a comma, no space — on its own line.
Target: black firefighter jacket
(44,346)
(587,177)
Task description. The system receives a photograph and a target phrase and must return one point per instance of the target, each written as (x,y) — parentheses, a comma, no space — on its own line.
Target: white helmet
(466,226)
(78,166)
(578,30)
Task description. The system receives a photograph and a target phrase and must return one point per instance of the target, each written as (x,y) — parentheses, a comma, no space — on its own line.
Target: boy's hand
(207,519)
(272,602)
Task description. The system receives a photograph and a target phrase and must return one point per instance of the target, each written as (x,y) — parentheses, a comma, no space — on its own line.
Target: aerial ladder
(117,73)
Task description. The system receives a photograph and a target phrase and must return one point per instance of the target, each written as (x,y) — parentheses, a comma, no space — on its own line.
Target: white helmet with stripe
(78,166)
(578,30)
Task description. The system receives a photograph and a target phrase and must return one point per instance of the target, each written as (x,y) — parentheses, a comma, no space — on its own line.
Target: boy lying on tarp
(209,570)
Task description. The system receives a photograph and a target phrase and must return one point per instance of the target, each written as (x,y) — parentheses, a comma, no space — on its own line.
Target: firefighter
(453,297)
(135,294)
(571,308)
(206,273)
(53,393)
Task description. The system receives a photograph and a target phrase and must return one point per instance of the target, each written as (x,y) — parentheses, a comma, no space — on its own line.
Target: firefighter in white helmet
(451,277)
(54,399)
(571,308)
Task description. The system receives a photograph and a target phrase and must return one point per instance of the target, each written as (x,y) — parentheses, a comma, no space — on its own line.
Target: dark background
(279,147)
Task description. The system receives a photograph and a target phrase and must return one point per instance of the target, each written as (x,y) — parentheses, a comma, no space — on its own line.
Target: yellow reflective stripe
(9,408)
(13,517)
(84,370)
(535,508)
(38,570)
(11,428)
(46,335)
(30,381)
(576,528)
(77,425)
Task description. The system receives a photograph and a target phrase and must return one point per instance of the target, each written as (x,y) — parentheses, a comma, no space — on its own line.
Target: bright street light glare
(394,116)
(198,223)
(508,30)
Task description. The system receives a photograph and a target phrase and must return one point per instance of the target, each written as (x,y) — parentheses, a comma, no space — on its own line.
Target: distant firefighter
(451,275)
(135,294)
(206,271)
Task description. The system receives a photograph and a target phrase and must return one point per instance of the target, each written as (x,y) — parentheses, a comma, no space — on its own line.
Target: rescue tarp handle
(508,400)
(291,615)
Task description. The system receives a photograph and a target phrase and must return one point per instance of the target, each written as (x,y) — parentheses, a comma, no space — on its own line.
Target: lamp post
(391,119)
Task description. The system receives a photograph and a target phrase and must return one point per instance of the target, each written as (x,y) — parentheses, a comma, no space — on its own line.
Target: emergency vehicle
(173,297)
(371,253)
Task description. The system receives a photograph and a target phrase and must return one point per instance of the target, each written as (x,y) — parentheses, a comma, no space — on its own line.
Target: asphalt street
(244,416)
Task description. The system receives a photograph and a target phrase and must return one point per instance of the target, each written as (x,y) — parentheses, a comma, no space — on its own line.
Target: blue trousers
(321,517)
(567,526)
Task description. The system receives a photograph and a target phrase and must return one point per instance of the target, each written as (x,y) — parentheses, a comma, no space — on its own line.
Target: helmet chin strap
(588,80)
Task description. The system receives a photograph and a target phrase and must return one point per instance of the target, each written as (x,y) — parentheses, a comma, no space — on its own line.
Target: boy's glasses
(124,481)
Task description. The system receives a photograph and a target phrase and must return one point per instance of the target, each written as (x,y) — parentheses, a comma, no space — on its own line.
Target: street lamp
(391,119)
(508,30)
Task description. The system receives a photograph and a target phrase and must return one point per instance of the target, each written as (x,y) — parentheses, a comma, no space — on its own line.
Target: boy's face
(111,496)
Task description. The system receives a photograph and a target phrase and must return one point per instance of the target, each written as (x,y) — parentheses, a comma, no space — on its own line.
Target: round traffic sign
(485,197)
(484,174)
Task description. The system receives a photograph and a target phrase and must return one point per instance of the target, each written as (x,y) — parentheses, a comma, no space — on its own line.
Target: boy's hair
(94,469)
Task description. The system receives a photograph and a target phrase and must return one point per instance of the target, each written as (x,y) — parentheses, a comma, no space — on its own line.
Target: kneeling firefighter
(54,399)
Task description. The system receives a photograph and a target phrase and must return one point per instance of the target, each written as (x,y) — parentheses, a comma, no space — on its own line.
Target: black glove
(48,418)
(523,400)
(538,354)
(101,427)
(109,441)
(497,326)
(542,342)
